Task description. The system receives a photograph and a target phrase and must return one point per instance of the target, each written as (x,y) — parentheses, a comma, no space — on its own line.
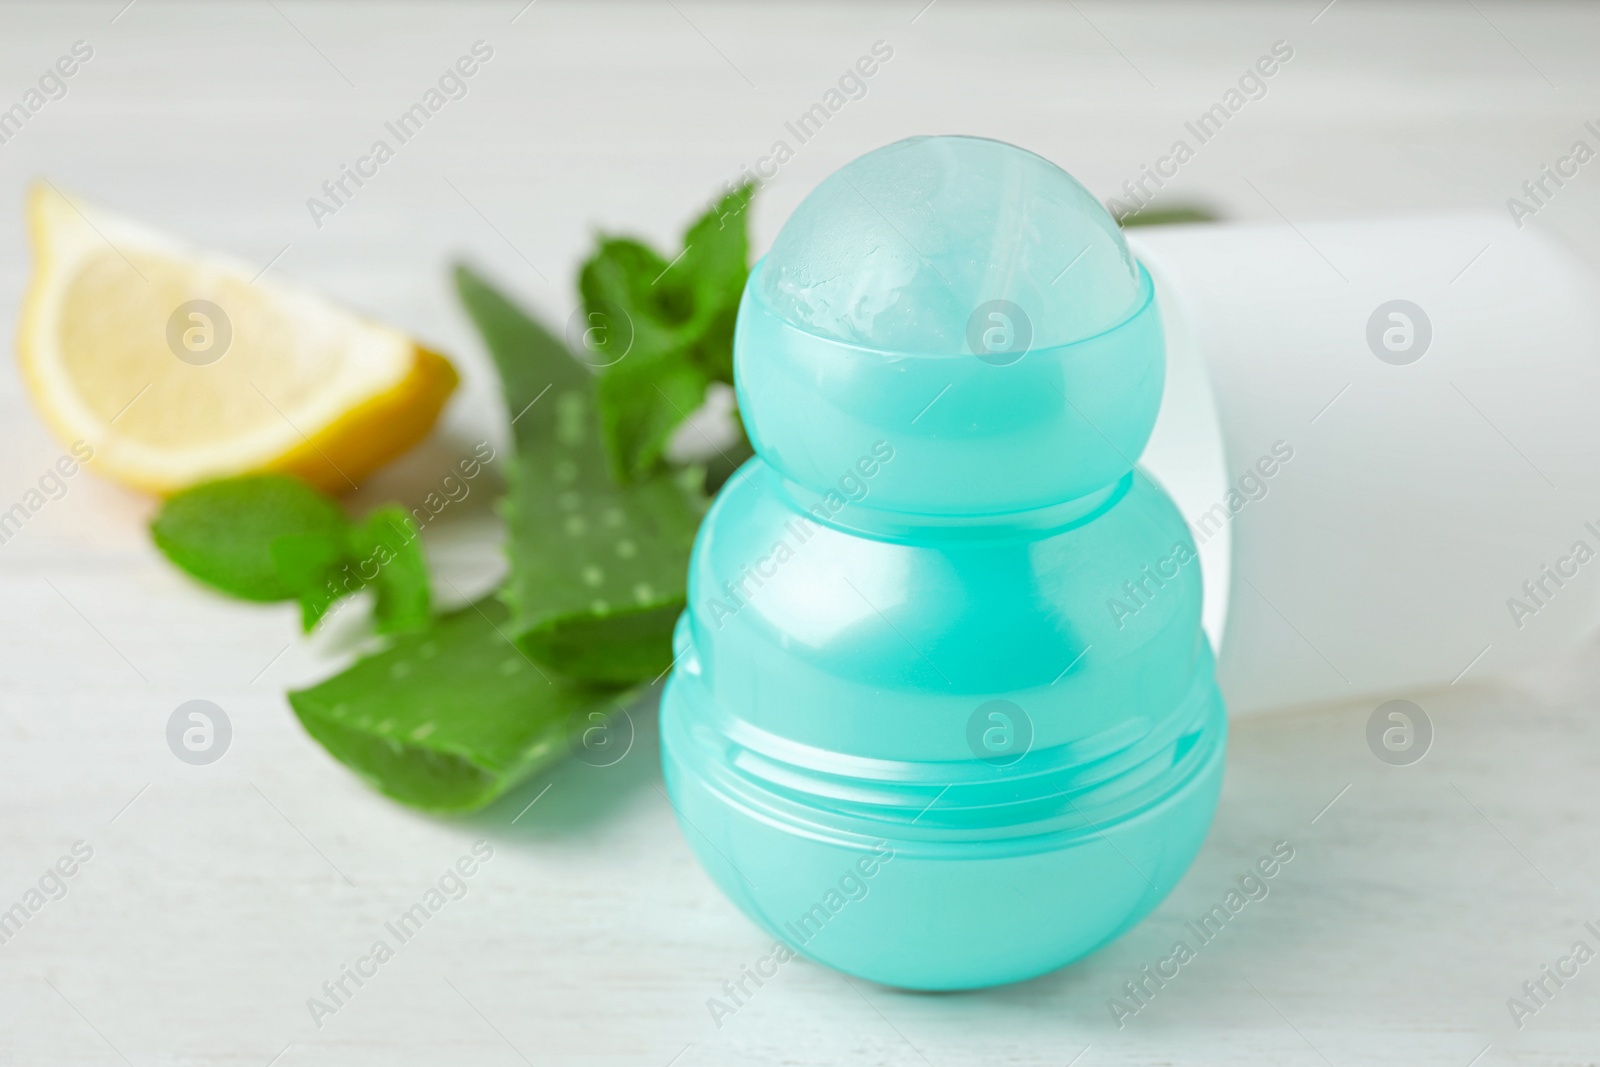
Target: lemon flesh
(177,366)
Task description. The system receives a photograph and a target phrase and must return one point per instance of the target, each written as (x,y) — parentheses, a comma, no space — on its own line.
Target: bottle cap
(967,302)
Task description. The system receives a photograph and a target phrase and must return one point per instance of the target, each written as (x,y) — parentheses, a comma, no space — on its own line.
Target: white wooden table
(219,898)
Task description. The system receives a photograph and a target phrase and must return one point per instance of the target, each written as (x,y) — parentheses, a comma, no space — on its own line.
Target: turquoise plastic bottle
(943,714)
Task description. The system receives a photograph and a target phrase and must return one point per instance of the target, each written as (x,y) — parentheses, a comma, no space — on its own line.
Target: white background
(219,898)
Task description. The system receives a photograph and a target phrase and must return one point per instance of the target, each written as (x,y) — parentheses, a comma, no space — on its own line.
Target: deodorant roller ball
(943,715)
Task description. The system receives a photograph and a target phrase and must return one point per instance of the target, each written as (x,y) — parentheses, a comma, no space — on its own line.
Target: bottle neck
(861,518)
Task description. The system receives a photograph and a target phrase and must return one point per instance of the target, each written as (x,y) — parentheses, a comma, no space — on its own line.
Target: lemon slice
(177,366)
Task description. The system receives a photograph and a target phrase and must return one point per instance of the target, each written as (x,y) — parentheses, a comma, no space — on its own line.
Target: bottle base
(895,912)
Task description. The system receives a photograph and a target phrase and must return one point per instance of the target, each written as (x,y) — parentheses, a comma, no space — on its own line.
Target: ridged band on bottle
(1046,800)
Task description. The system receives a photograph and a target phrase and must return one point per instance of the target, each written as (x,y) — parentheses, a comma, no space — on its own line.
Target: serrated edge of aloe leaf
(549,751)
(494,780)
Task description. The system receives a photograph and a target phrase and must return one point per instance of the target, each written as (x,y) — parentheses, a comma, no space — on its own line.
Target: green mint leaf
(665,330)
(716,264)
(310,565)
(628,276)
(641,401)
(223,532)
(598,569)
(387,555)
(269,537)
(314,604)
(648,381)
(449,718)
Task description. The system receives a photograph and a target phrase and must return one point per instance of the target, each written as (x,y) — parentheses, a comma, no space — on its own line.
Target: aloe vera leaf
(448,719)
(598,569)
